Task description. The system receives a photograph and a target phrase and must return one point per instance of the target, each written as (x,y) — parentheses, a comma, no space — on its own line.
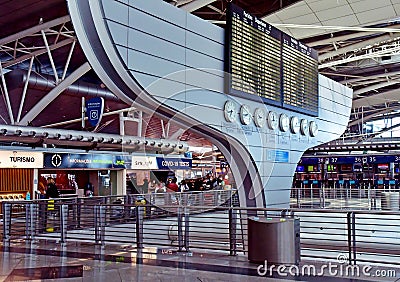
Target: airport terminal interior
(199,140)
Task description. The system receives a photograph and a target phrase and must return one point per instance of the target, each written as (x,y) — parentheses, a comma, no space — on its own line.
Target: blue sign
(278,156)
(188,155)
(94,110)
(174,163)
(56,160)
(63,160)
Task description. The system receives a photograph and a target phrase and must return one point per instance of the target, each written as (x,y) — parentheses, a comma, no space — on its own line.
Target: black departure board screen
(300,75)
(263,61)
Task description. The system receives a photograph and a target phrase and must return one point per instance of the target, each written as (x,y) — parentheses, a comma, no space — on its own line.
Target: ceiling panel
(349,20)
(365,5)
(376,15)
(304,19)
(325,5)
(294,10)
(305,33)
(273,19)
(333,13)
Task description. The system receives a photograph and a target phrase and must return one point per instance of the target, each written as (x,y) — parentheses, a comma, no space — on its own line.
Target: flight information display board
(265,62)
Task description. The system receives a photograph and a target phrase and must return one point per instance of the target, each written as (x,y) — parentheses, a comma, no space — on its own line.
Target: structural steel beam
(33,30)
(53,94)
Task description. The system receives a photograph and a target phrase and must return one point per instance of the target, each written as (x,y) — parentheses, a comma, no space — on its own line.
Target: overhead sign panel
(20,159)
(265,62)
(104,161)
(64,160)
(143,162)
(94,110)
(174,163)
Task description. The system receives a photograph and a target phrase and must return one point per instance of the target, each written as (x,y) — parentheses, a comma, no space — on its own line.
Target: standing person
(145,186)
(52,191)
(183,187)
(171,184)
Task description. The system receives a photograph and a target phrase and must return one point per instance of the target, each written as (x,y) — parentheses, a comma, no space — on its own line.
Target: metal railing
(362,236)
(362,198)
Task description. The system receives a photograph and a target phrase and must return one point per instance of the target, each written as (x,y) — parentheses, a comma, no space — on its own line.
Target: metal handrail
(324,232)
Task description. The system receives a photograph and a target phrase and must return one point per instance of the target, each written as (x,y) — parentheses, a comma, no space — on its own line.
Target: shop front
(84,174)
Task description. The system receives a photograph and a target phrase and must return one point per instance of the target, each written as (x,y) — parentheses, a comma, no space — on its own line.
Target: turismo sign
(18,159)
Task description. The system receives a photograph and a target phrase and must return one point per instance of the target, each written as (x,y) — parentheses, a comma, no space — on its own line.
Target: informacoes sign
(20,159)
(63,160)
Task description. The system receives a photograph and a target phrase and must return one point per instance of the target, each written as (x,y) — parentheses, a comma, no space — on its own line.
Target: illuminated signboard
(263,61)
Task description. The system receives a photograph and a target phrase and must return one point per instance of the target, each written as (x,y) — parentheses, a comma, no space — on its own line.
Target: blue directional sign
(94,110)
(278,156)
(174,163)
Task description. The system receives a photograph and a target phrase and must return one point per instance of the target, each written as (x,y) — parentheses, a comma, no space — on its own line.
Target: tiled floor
(47,261)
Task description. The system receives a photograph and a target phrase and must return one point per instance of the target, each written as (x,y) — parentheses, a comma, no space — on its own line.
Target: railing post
(350,236)
(139,227)
(96,224)
(99,224)
(298,193)
(79,203)
(353,228)
(184,199)
(180,229)
(63,222)
(232,233)
(215,198)
(201,200)
(127,208)
(74,206)
(6,222)
(29,221)
(187,226)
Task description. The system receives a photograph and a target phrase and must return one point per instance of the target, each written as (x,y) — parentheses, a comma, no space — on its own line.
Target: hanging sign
(94,110)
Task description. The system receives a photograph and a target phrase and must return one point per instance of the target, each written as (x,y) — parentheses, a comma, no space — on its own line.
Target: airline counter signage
(19,159)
